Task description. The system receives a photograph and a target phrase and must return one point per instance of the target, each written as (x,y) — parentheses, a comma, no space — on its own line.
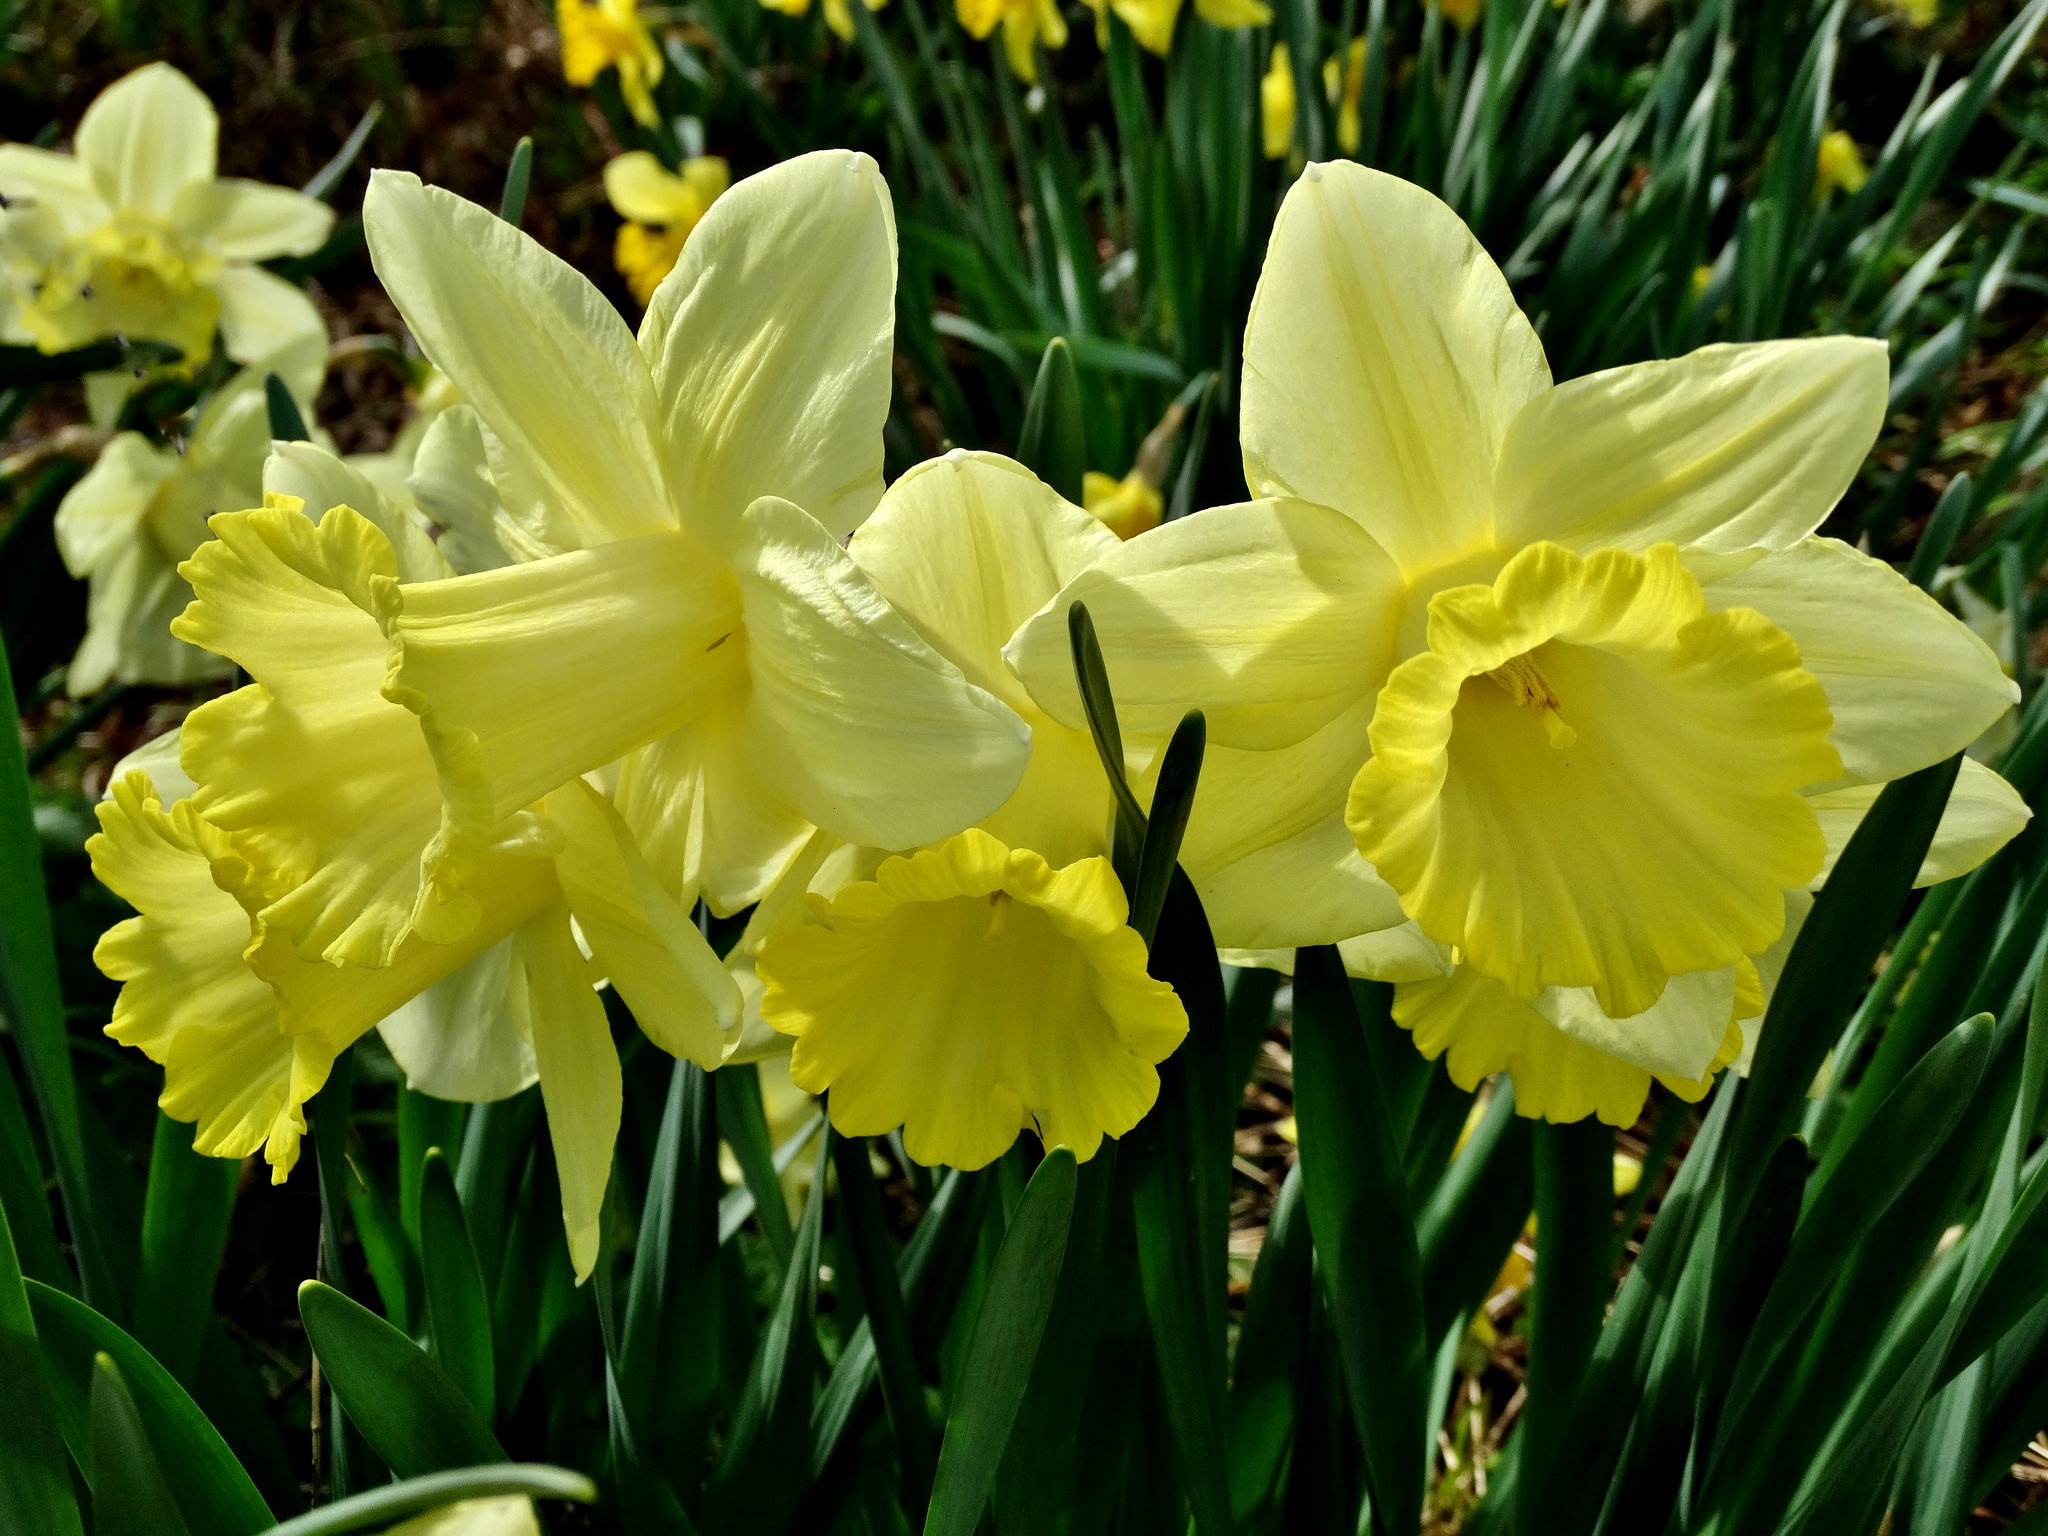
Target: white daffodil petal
(105,509)
(1908,683)
(1272,618)
(261,313)
(640,936)
(1983,814)
(249,221)
(1384,358)
(580,1084)
(1679,1034)
(459,1039)
(967,548)
(771,343)
(540,353)
(61,184)
(148,136)
(1728,447)
(884,742)
(451,483)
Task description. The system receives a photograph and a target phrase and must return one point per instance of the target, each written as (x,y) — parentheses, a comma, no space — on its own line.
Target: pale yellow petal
(1272,618)
(969,546)
(1908,682)
(579,1074)
(771,343)
(148,136)
(540,353)
(508,1516)
(1983,814)
(105,509)
(43,179)
(1679,1035)
(318,478)
(136,594)
(1728,447)
(883,741)
(451,483)
(641,937)
(248,221)
(261,313)
(1384,359)
(459,1039)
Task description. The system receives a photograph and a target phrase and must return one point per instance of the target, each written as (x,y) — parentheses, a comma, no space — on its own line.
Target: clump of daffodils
(1544,702)
(133,235)
(598,35)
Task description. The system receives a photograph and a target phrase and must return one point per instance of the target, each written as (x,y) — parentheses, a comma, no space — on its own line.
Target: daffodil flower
(660,208)
(1025,24)
(1345,86)
(1126,507)
(1277,105)
(837,16)
(224,879)
(134,236)
(1559,673)
(598,35)
(142,508)
(991,983)
(1838,165)
(1152,21)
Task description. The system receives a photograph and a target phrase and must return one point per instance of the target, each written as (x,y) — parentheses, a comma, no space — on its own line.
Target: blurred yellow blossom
(1126,507)
(1345,84)
(134,236)
(837,16)
(1276,104)
(1152,21)
(1838,165)
(602,34)
(1915,13)
(1462,12)
(660,209)
(1024,23)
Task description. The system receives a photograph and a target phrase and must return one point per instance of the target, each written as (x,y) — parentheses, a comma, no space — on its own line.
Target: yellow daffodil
(1558,673)
(1025,24)
(1345,86)
(304,784)
(598,35)
(1152,21)
(1915,13)
(142,508)
(1126,507)
(134,236)
(989,984)
(1838,165)
(1462,13)
(1276,105)
(837,16)
(660,209)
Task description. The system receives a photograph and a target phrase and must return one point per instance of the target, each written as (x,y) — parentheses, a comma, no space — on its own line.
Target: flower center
(1521,681)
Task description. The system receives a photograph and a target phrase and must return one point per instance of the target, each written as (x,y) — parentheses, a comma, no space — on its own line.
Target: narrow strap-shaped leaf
(668,1355)
(1474,1214)
(129,1495)
(185,1214)
(1358,1208)
(949,1226)
(458,1306)
(34,1008)
(213,1492)
(1840,942)
(1272,1348)
(888,1321)
(380,1506)
(24,1194)
(764,1469)
(744,1123)
(1092,678)
(287,424)
(1574,1223)
(1939,536)
(408,1410)
(328,177)
(518,175)
(1053,442)
(1014,1308)
(35,1485)
(1173,800)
